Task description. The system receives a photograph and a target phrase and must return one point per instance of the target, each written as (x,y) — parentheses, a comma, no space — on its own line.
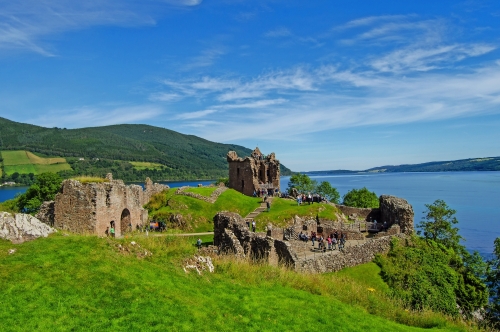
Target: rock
(11,251)
(22,227)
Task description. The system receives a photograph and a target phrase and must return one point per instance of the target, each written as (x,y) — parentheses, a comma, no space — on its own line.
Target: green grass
(283,210)
(25,162)
(198,213)
(204,191)
(85,283)
(11,158)
(141,165)
(21,169)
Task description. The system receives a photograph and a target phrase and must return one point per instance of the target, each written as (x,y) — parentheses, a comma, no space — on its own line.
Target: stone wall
(209,199)
(253,173)
(89,208)
(232,236)
(351,256)
(396,211)
(359,213)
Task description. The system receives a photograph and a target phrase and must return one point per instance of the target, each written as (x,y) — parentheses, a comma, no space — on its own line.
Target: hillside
(471,164)
(86,283)
(182,156)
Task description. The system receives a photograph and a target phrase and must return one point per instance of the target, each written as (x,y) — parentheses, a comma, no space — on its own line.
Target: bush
(361,198)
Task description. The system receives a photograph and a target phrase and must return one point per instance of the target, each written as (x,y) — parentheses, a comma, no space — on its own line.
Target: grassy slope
(286,209)
(85,283)
(197,212)
(143,165)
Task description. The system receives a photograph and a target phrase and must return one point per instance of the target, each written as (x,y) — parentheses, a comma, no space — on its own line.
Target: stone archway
(125,221)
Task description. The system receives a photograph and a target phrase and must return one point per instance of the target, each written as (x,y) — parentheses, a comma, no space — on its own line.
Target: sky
(324,84)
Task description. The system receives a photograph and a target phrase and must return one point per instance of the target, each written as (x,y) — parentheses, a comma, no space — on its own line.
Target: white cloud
(25,25)
(194,115)
(98,115)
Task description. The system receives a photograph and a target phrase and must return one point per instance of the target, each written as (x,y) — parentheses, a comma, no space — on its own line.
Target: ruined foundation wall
(360,213)
(91,207)
(397,211)
(352,256)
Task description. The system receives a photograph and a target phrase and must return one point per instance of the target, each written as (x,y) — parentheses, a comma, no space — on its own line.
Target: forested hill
(472,164)
(183,156)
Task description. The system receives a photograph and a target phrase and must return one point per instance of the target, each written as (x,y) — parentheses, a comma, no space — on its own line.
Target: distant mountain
(472,164)
(183,156)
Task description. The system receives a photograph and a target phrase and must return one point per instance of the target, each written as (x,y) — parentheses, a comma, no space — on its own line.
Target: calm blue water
(474,195)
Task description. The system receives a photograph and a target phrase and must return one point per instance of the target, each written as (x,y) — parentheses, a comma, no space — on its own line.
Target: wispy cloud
(194,115)
(102,115)
(25,25)
(205,59)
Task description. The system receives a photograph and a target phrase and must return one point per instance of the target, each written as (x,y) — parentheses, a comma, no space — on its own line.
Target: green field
(86,283)
(140,165)
(25,162)
(283,210)
(196,213)
(204,191)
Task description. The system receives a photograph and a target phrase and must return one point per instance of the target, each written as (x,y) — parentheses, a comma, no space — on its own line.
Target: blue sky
(323,84)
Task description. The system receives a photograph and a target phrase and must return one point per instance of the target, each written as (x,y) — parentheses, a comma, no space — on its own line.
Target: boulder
(22,227)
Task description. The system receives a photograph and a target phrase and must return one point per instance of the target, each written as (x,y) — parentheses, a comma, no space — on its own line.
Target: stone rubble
(22,227)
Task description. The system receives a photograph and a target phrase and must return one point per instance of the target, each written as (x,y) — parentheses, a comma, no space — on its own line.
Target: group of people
(310,199)
(331,241)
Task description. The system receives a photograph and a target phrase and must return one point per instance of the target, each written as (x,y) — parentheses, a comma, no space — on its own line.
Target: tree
(44,189)
(437,225)
(361,198)
(493,282)
(302,183)
(325,189)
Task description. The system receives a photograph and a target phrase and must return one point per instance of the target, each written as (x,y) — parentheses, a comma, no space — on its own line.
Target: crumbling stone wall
(88,208)
(253,173)
(359,213)
(397,211)
(351,256)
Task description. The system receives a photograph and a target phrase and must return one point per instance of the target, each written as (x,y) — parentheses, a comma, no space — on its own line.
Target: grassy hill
(471,164)
(85,283)
(179,156)
(26,162)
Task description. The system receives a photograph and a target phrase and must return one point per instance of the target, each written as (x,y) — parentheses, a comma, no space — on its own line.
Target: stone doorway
(125,221)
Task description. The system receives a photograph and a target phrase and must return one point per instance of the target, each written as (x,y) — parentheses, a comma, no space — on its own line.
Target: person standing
(107,232)
(112,231)
(198,243)
(253,226)
(268,206)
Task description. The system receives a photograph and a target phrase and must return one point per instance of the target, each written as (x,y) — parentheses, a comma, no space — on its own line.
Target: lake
(474,195)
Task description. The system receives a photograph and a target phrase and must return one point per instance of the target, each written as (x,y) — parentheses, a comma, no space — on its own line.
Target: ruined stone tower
(253,173)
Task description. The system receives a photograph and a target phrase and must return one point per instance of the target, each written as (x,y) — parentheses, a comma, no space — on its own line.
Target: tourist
(334,243)
(309,198)
(107,232)
(329,240)
(313,237)
(112,231)
(298,200)
(268,206)
(253,226)
(198,243)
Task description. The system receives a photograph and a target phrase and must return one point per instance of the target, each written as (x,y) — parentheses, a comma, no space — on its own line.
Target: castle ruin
(89,208)
(254,173)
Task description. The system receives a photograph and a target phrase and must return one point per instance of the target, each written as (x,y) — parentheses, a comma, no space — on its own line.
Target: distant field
(25,162)
(140,165)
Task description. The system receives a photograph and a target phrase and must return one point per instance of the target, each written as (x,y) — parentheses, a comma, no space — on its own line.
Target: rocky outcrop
(397,211)
(22,227)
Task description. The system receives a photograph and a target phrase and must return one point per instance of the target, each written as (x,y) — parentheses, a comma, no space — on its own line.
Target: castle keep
(88,208)
(253,173)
